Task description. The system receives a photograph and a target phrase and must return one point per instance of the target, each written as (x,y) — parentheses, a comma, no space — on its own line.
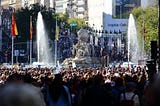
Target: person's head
(118,82)
(95,96)
(20,95)
(15,78)
(131,86)
(58,78)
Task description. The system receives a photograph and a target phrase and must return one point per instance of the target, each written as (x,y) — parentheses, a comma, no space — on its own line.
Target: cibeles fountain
(83,52)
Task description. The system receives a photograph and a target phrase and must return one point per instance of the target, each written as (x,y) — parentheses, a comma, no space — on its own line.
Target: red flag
(31,28)
(14,30)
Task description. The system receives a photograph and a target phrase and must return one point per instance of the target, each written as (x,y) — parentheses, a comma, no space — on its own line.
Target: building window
(12,1)
(122,8)
(60,6)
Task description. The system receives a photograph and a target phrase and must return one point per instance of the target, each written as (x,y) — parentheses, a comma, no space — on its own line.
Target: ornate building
(22,3)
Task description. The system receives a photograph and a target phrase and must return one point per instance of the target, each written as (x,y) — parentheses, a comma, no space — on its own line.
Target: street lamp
(102,37)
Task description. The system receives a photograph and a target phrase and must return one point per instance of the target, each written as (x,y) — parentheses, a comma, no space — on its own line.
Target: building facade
(11,3)
(74,8)
(23,3)
(122,7)
(82,9)
(145,3)
(60,6)
(95,13)
(111,14)
(47,3)
(111,17)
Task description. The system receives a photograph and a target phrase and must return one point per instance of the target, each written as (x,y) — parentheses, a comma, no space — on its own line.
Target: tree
(23,21)
(61,20)
(22,18)
(64,22)
(49,16)
(147,25)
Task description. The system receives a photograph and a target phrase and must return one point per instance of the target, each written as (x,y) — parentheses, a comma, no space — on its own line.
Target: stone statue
(83,51)
(83,35)
(82,48)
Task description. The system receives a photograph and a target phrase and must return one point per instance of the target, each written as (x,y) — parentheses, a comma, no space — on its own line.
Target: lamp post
(93,37)
(102,37)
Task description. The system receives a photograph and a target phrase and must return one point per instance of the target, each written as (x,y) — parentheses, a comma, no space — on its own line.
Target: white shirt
(129,96)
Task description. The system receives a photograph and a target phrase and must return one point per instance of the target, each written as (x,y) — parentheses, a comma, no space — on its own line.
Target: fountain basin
(43,65)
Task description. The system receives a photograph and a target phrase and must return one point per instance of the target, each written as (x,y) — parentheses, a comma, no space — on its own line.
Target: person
(58,93)
(20,94)
(95,94)
(152,92)
(129,94)
(117,90)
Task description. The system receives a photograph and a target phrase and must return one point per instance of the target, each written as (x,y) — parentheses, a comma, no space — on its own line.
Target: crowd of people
(78,87)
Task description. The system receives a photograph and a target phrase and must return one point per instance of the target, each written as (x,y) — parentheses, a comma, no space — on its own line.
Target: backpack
(126,102)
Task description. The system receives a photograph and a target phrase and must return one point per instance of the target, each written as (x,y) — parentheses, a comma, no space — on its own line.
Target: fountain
(133,43)
(83,53)
(43,50)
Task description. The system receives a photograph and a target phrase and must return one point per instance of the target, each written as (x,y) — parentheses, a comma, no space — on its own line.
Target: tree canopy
(23,21)
(147,25)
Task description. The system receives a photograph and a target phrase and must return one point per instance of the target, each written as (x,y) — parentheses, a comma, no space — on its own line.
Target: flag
(31,28)
(14,30)
(57,32)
